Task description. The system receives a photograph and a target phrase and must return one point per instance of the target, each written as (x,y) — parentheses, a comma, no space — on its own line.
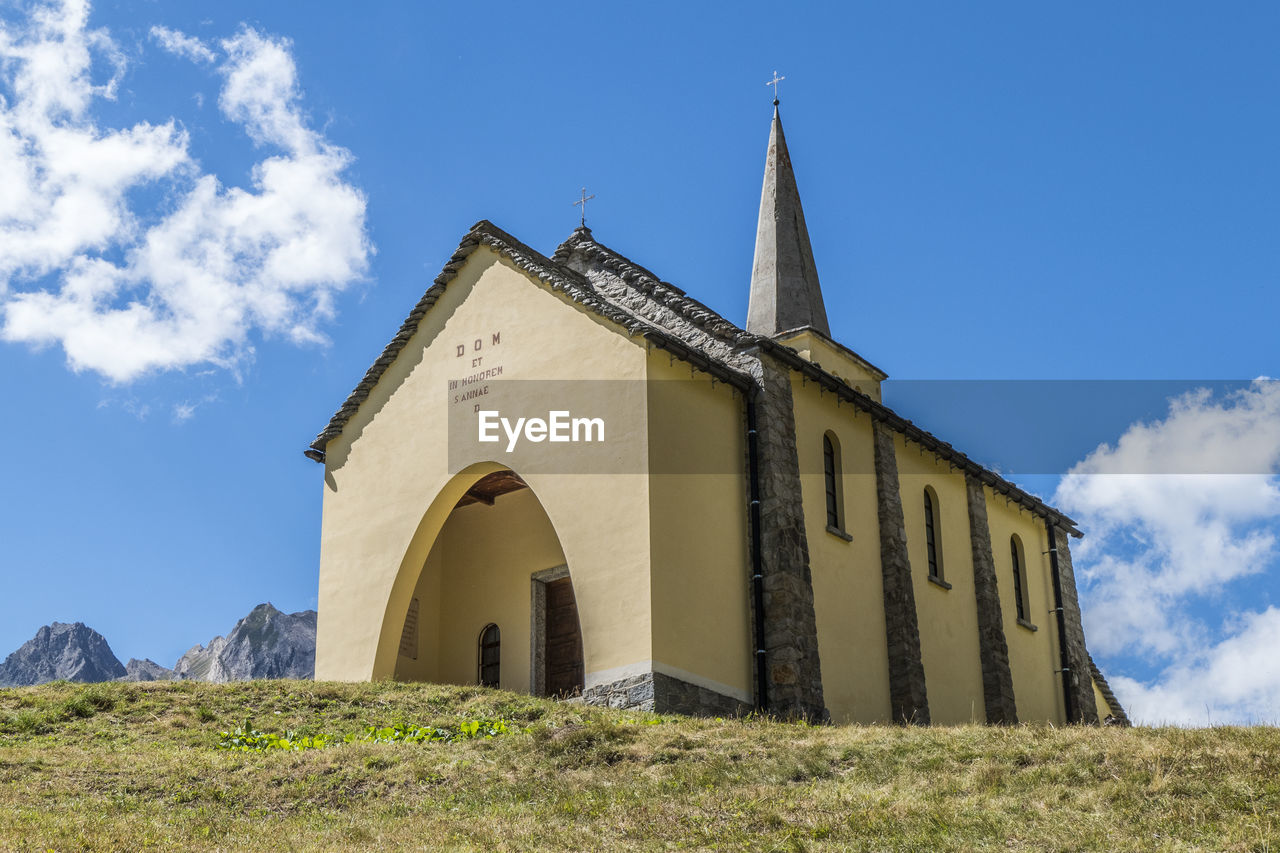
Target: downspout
(757,574)
(1062,621)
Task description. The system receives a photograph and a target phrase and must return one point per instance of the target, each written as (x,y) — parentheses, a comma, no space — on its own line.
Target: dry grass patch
(136,766)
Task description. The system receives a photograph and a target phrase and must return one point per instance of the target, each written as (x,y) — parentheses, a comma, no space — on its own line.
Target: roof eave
(925,439)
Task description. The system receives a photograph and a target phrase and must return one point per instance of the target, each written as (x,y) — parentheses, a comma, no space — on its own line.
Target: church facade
(705,519)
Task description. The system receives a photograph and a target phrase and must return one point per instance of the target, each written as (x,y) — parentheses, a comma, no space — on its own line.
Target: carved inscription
(476,346)
(480,354)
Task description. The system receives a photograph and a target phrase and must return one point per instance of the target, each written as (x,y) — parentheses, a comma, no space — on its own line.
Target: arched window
(490,655)
(933,533)
(1019,577)
(831,475)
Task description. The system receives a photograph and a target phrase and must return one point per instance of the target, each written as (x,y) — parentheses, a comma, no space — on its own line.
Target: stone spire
(784,281)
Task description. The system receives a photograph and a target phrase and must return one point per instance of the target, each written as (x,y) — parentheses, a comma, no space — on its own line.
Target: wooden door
(564,640)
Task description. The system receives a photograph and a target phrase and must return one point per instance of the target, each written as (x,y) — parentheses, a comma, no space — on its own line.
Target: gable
(538,269)
(494,321)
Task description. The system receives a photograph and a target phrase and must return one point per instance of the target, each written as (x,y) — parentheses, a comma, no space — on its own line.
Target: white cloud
(1237,680)
(183,45)
(126,291)
(1163,549)
(186,410)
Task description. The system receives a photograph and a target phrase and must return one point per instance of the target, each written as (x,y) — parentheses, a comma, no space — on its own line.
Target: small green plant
(468,730)
(248,739)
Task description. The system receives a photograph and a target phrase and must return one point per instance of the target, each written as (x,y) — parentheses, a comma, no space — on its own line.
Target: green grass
(136,766)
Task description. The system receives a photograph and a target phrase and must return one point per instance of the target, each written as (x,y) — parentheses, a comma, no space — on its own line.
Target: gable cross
(583,202)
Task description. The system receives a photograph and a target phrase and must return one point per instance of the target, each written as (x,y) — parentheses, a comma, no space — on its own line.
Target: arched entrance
(494,602)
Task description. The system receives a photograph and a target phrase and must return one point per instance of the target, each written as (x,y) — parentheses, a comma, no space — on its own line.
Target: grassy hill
(137,766)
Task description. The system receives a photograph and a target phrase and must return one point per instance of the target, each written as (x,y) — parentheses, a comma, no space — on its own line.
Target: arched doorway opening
(494,602)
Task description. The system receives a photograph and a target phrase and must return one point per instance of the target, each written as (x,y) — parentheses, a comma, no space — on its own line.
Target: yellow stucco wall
(699,540)
(388,488)
(660,561)
(948,618)
(1033,655)
(836,359)
(847,597)
(479,572)
(847,579)
(425,667)
(1104,708)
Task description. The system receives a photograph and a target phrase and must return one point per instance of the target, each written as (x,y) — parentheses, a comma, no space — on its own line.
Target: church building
(566,476)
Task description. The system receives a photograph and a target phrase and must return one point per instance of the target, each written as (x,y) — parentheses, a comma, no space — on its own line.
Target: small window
(831,475)
(490,656)
(933,533)
(1019,578)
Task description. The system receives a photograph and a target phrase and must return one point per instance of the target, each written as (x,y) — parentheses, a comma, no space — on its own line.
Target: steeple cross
(583,202)
(774,83)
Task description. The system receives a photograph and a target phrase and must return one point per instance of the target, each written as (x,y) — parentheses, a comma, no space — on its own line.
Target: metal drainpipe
(757,575)
(1062,621)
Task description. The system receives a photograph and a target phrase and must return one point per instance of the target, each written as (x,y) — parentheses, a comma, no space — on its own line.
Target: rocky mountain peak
(70,651)
(264,644)
(146,670)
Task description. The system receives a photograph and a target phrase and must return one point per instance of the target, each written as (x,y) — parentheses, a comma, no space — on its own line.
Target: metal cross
(583,201)
(774,83)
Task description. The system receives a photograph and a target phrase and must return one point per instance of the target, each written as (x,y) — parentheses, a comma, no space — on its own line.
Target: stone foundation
(663,694)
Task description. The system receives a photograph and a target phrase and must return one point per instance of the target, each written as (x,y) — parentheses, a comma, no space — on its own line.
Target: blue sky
(1002,191)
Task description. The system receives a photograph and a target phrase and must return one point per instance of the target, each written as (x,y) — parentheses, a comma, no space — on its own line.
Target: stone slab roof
(701,340)
(1116,710)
